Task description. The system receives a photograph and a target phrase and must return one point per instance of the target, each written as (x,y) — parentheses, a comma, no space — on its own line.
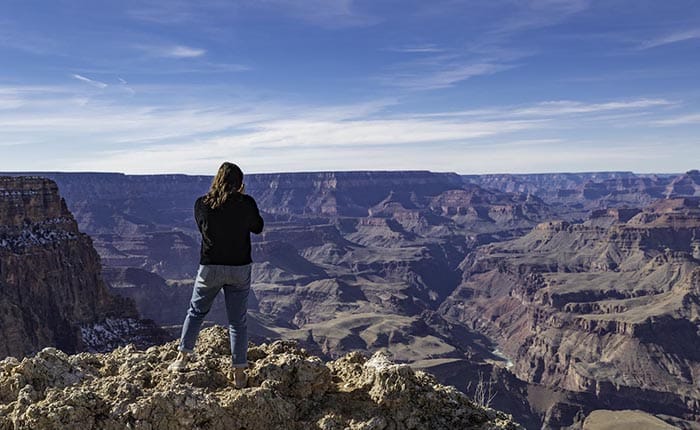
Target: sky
(467,86)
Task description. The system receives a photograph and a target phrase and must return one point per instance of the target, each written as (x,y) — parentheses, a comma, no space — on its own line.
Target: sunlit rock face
(52,293)
(608,308)
(288,389)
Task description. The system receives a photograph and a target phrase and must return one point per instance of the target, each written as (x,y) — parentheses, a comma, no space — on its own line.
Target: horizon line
(88,172)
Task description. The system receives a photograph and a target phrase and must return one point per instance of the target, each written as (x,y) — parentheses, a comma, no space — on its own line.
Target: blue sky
(305,85)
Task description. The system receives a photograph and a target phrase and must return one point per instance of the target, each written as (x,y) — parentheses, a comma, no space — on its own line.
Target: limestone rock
(288,389)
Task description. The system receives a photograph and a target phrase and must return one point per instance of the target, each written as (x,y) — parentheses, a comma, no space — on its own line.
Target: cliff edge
(288,389)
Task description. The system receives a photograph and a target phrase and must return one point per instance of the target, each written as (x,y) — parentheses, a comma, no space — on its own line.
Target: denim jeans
(235,281)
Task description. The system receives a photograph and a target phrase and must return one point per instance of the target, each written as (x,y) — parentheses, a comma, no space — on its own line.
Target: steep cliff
(687,184)
(611,310)
(51,290)
(288,389)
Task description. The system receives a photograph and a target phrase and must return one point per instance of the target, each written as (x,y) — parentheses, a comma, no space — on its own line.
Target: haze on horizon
(493,86)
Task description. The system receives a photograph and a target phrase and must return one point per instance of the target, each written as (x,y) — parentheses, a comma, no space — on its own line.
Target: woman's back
(226,230)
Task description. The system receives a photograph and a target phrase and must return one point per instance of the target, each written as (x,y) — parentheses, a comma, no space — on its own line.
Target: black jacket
(226,230)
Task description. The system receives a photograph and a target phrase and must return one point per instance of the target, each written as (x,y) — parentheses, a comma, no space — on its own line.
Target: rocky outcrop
(143,221)
(288,389)
(609,311)
(51,290)
(687,184)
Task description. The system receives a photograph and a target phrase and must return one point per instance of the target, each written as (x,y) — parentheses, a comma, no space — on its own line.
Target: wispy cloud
(201,66)
(668,39)
(265,136)
(417,49)
(476,157)
(443,75)
(9,102)
(565,107)
(125,85)
(38,90)
(487,52)
(251,125)
(313,133)
(92,82)
(308,144)
(330,14)
(693,118)
(183,52)
(111,133)
(175,51)
(662,72)
(555,108)
(533,14)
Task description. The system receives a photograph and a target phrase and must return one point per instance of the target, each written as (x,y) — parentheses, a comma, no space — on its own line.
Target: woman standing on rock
(225,217)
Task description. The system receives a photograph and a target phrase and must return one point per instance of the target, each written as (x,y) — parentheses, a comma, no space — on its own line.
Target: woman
(225,217)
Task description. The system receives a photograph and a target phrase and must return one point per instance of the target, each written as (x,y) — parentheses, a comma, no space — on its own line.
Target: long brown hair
(228,181)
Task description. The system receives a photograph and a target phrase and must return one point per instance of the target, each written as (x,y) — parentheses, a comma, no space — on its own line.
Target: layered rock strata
(613,310)
(361,261)
(51,289)
(338,246)
(574,195)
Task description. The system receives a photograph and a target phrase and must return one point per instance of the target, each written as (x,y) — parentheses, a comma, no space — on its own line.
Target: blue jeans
(235,280)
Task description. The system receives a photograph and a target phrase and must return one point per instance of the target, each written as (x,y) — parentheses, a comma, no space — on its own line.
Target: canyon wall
(612,311)
(51,288)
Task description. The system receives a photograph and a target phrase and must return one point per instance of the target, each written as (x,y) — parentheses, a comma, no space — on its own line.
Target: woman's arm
(256,221)
(199,215)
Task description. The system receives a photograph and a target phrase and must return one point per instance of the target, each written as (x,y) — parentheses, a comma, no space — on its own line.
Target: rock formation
(51,290)
(612,309)
(549,186)
(340,249)
(684,185)
(288,389)
(439,270)
(574,195)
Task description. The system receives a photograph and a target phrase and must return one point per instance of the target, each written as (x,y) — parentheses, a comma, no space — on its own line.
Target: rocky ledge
(288,389)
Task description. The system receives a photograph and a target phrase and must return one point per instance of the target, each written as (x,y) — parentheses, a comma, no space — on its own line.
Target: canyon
(607,307)
(569,293)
